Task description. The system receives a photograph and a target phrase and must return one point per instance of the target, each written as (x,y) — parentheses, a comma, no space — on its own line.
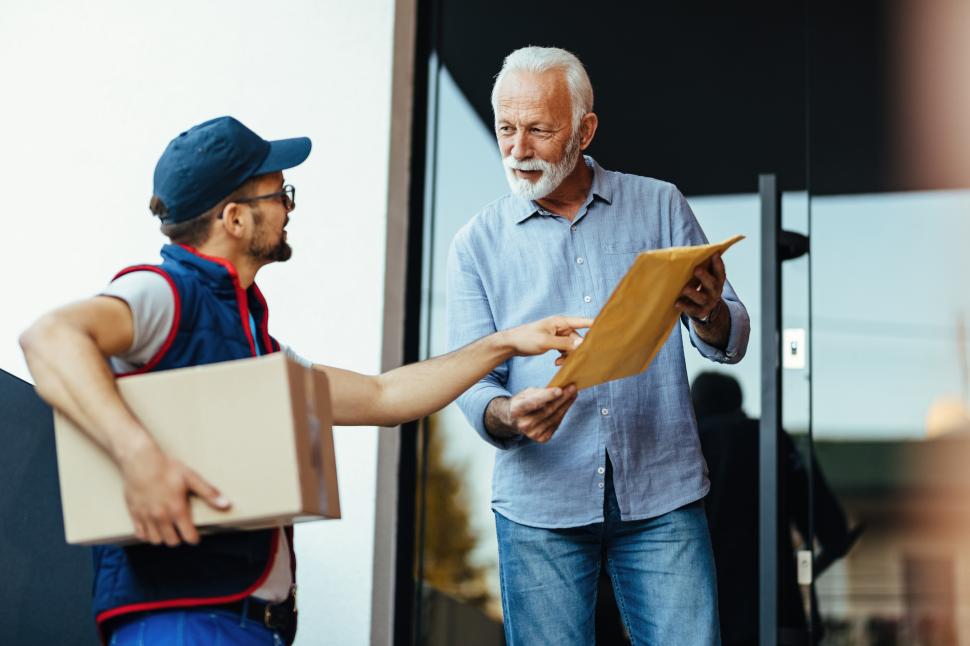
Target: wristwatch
(703,321)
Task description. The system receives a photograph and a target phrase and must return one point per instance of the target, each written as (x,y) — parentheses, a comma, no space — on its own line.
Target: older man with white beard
(614,474)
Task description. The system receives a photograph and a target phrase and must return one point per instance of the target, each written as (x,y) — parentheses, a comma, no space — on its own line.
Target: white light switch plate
(804,567)
(794,348)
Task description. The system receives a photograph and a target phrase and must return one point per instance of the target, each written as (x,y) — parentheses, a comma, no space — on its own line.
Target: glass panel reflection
(891,415)
(460,553)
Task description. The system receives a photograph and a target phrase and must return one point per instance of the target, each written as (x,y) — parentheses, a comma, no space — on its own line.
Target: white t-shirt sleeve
(291,353)
(152,303)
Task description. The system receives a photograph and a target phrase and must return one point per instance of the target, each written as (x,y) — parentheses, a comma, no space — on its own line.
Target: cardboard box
(258,429)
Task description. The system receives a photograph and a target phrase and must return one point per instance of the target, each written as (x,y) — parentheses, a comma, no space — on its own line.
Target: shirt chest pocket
(626,246)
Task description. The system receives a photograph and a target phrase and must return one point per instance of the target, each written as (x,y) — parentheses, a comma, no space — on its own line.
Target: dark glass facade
(861,112)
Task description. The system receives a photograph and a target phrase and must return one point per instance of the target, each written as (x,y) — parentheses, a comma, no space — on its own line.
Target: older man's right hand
(535,413)
(157,490)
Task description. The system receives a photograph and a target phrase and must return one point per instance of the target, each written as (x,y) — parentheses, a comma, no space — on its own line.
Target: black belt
(280,617)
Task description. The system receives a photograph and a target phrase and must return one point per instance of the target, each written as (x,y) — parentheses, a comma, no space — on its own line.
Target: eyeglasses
(287,196)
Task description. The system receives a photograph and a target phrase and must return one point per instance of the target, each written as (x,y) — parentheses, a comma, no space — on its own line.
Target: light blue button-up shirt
(513,263)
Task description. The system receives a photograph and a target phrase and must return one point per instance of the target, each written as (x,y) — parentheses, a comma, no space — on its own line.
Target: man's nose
(520,146)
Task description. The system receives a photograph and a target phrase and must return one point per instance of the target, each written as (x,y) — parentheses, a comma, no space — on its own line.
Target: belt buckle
(268,616)
(268,619)
(274,616)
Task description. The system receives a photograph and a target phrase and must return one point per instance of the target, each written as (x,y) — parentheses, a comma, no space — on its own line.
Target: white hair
(542,59)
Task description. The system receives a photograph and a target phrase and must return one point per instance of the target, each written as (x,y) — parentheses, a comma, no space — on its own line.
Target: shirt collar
(601,188)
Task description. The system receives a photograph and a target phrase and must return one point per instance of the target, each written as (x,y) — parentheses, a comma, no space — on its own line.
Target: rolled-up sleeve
(470,318)
(737,343)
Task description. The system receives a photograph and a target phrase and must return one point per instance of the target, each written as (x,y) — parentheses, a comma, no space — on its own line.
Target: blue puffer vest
(211,325)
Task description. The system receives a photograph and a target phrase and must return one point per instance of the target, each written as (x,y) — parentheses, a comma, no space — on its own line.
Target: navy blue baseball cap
(206,163)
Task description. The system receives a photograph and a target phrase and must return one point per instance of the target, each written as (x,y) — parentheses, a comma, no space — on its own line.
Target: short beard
(261,249)
(552,175)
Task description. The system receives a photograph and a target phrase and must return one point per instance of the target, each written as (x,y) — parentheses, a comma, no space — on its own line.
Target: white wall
(92,93)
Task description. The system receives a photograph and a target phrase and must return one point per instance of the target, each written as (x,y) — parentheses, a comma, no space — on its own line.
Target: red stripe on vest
(241,300)
(156,359)
(194,602)
(264,324)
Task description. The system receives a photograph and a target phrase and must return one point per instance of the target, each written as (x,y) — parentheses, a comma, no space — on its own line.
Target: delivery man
(220,194)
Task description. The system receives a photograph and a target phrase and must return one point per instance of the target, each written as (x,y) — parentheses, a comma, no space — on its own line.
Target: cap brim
(285,153)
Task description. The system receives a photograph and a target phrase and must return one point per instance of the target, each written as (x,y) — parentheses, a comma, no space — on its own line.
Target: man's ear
(587,129)
(233,219)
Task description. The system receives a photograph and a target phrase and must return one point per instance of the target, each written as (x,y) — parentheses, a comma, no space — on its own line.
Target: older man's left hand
(701,295)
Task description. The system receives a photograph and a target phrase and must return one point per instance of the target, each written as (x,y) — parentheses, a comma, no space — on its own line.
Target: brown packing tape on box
(315,448)
(637,319)
(258,429)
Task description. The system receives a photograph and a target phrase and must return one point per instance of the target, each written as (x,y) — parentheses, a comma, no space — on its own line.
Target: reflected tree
(448,537)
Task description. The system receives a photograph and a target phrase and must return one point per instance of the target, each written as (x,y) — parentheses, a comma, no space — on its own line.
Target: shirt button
(572,228)
(580,261)
(604,411)
(587,299)
(601,470)
(601,485)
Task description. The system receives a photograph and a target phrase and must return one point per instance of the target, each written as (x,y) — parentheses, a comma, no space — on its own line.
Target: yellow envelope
(637,319)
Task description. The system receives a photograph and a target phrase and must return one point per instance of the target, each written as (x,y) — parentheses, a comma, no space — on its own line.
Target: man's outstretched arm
(419,389)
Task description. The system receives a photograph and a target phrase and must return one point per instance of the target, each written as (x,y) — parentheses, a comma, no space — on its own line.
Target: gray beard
(552,176)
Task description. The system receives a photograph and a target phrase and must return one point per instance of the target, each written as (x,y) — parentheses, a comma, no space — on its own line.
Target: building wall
(92,94)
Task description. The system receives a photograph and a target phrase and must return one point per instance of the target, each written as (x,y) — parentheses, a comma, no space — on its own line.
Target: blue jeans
(662,570)
(193,627)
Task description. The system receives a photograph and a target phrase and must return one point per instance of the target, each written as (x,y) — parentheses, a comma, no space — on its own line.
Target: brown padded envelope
(637,319)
